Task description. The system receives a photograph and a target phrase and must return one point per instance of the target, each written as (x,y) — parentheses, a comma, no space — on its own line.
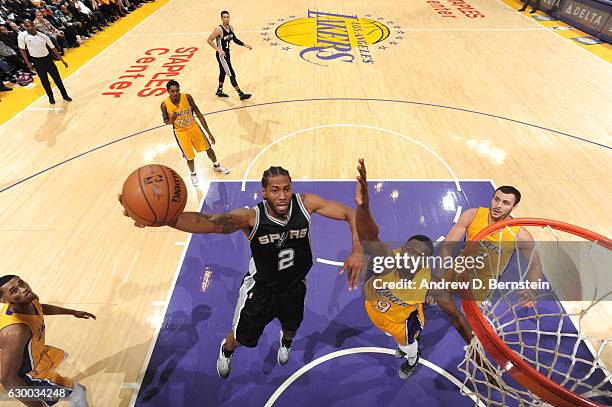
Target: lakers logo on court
(329,38)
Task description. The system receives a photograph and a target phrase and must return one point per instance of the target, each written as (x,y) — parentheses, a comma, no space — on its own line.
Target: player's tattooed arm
(224,223)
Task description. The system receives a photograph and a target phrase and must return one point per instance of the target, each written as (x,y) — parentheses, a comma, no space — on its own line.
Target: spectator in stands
(9,37)
(9,56)
(93,21)
(112,8)
(533,7)
(15,27)
(49,30)
(71,23)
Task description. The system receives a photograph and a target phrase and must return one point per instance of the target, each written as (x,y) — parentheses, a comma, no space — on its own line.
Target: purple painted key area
(182,370)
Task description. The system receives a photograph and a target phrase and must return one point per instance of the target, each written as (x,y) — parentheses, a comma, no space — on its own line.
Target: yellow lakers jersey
(397,304)
(184,119)
(39,357)
(497,247)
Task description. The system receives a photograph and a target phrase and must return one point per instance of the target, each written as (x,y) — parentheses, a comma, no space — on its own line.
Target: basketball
(154,195)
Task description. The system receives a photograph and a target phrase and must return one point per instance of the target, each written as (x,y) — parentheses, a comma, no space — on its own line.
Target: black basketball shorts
(256,309)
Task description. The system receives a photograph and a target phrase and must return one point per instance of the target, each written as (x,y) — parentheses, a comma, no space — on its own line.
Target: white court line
(279,391)
(180,243)
(457,214)
(470,29)
(206,33)
(330,262)
(566,40)
(362,126)
(75,73)
(147,359)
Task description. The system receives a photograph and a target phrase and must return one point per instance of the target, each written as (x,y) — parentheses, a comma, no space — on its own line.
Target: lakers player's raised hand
(362,197)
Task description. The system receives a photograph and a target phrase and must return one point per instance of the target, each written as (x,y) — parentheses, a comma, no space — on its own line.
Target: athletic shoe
(52,101)
(221,169)
(194,179)
(283,352)
(407,370)
(244,96)
(224,364)
(533,11)
(399,353)
(221,94)
(67,98)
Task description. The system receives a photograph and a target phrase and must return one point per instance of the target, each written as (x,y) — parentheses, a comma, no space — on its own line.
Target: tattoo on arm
(228,222)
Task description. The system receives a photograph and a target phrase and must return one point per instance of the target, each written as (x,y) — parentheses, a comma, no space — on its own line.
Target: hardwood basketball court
(496,97)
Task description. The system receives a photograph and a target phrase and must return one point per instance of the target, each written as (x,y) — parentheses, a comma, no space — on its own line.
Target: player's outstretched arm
(367,229)
(49,309)
(224,223)
(337,211)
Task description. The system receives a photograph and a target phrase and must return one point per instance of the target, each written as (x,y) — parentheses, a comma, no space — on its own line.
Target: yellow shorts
(403,332)
(191,140)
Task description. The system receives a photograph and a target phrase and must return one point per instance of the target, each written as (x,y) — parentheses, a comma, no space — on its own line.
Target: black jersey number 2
(285,259)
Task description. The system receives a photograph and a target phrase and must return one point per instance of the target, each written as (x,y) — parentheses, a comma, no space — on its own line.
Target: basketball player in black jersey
(275,285)
(220,41)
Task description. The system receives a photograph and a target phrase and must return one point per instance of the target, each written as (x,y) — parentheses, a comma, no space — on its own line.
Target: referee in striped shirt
(36,43)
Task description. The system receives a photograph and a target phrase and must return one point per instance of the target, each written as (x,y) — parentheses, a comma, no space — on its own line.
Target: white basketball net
(567,342)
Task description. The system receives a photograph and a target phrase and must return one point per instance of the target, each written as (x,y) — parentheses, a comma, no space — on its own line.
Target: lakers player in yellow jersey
(393,308)
(498,247)
(27,364)
(178,110)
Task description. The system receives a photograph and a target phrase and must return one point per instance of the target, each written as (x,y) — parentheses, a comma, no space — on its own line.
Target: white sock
(193,173)
(78,398)
(411,351)
(216,163)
